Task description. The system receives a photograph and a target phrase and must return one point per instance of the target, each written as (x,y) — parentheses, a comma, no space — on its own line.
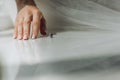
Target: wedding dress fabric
(85,45)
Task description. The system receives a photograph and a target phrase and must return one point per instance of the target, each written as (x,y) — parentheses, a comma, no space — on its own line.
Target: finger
(15,29)
(43,26)
(26,26)
(35,26)
(15,32)
(20,32)
(18,28)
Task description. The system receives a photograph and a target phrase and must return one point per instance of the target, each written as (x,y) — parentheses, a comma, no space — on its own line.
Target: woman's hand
(29,16)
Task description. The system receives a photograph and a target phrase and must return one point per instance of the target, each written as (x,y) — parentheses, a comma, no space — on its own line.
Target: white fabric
(9,6)
(87,39)
(8,12)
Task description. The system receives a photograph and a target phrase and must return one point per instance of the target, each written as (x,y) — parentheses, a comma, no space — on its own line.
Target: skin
(28,15)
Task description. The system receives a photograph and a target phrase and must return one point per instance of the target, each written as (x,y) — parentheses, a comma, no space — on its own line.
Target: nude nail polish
(33,36)
(14,36)
(25,37)
(19,37)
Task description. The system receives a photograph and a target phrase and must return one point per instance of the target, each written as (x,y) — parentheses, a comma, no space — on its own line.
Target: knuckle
(35,23)
(36,11)
(26,29)
(34,32)
(19,32)
(25,32)
(27,13)
(27,21)
(18,21)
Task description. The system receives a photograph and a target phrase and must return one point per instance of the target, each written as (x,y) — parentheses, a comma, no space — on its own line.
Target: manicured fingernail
(33,36)
(19,37)
(14,36)
(25,37)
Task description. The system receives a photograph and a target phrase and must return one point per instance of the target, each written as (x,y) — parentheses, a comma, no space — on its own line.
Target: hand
(29,16)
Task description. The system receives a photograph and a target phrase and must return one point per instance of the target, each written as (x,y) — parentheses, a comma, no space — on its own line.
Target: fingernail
(25,37)
(14,36)
(19,37)
(33,36)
